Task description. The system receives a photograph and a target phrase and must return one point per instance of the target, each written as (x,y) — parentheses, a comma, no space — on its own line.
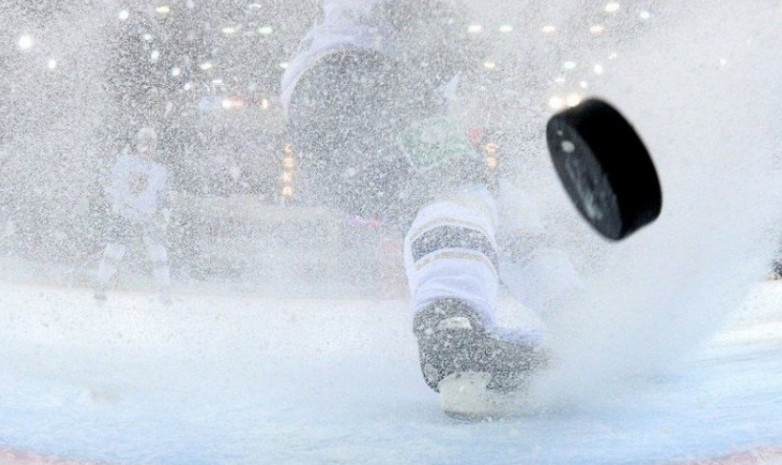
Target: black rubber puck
(605,168)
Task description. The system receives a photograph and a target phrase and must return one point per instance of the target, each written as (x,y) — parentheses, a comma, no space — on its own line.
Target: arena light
(229,30)
(490,65)
(284,65)
(645,15)
(569,65)
(51,64)
(176,71)
(163,10)
(548,29)
(598,69)
(492,159)
(573,100)
(556,103)
(612,7)
(265,30)
(206,66)
(123,15)
(596,29)
(505,28)
(26,42)
(232,103)
(475,28)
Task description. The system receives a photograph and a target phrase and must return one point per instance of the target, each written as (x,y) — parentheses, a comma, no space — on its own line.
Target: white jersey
(346,25)
(136,187)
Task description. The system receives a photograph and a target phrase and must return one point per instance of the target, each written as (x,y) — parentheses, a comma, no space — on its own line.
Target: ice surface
(247,380)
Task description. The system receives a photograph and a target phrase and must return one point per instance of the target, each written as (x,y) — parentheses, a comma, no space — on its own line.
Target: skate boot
(100,294)
(473,366)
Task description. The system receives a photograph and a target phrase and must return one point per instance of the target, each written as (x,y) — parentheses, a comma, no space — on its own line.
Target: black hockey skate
(469,363)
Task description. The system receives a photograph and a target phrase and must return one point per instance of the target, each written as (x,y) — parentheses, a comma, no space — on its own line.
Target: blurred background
(80,77)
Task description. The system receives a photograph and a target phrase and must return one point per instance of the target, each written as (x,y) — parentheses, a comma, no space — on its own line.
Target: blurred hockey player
(369,102)
(138,204)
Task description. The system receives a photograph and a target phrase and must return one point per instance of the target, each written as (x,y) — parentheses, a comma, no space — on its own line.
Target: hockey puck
(605,168)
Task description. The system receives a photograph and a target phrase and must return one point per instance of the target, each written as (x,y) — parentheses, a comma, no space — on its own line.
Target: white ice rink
(219,379)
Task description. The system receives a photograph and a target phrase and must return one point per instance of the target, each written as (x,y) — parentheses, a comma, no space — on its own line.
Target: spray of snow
(702,91)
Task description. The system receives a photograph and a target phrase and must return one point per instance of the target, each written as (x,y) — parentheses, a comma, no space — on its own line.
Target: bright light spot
(264,104)
(598,69)
(26,42)
(163,10)
(475,28)
(123,15)
(612,7)
(556,102)
(597,29)
(548,29)
(287,177)
(569,65)
(147,37)
(287,191)
(265,30)
(492,148)
(645,15)
(51,64)
(284,65)
(229,30)
(560,79)
(723,61)
(205,66)
(506,28)
(583,85)
(254,6)
(232,103)
(176,71)
(490,65)
(613,56)
(155,56)
(217,82)
(573,100)
(188,86)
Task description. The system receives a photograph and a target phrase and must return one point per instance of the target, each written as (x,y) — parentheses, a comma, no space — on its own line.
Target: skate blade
(464,396)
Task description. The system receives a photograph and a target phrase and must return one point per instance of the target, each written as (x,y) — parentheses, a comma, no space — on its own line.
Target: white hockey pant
(159,257)
(450,251)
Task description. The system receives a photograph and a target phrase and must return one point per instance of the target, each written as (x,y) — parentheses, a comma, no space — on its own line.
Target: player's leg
(112,256)
(160,268)
(452,268)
